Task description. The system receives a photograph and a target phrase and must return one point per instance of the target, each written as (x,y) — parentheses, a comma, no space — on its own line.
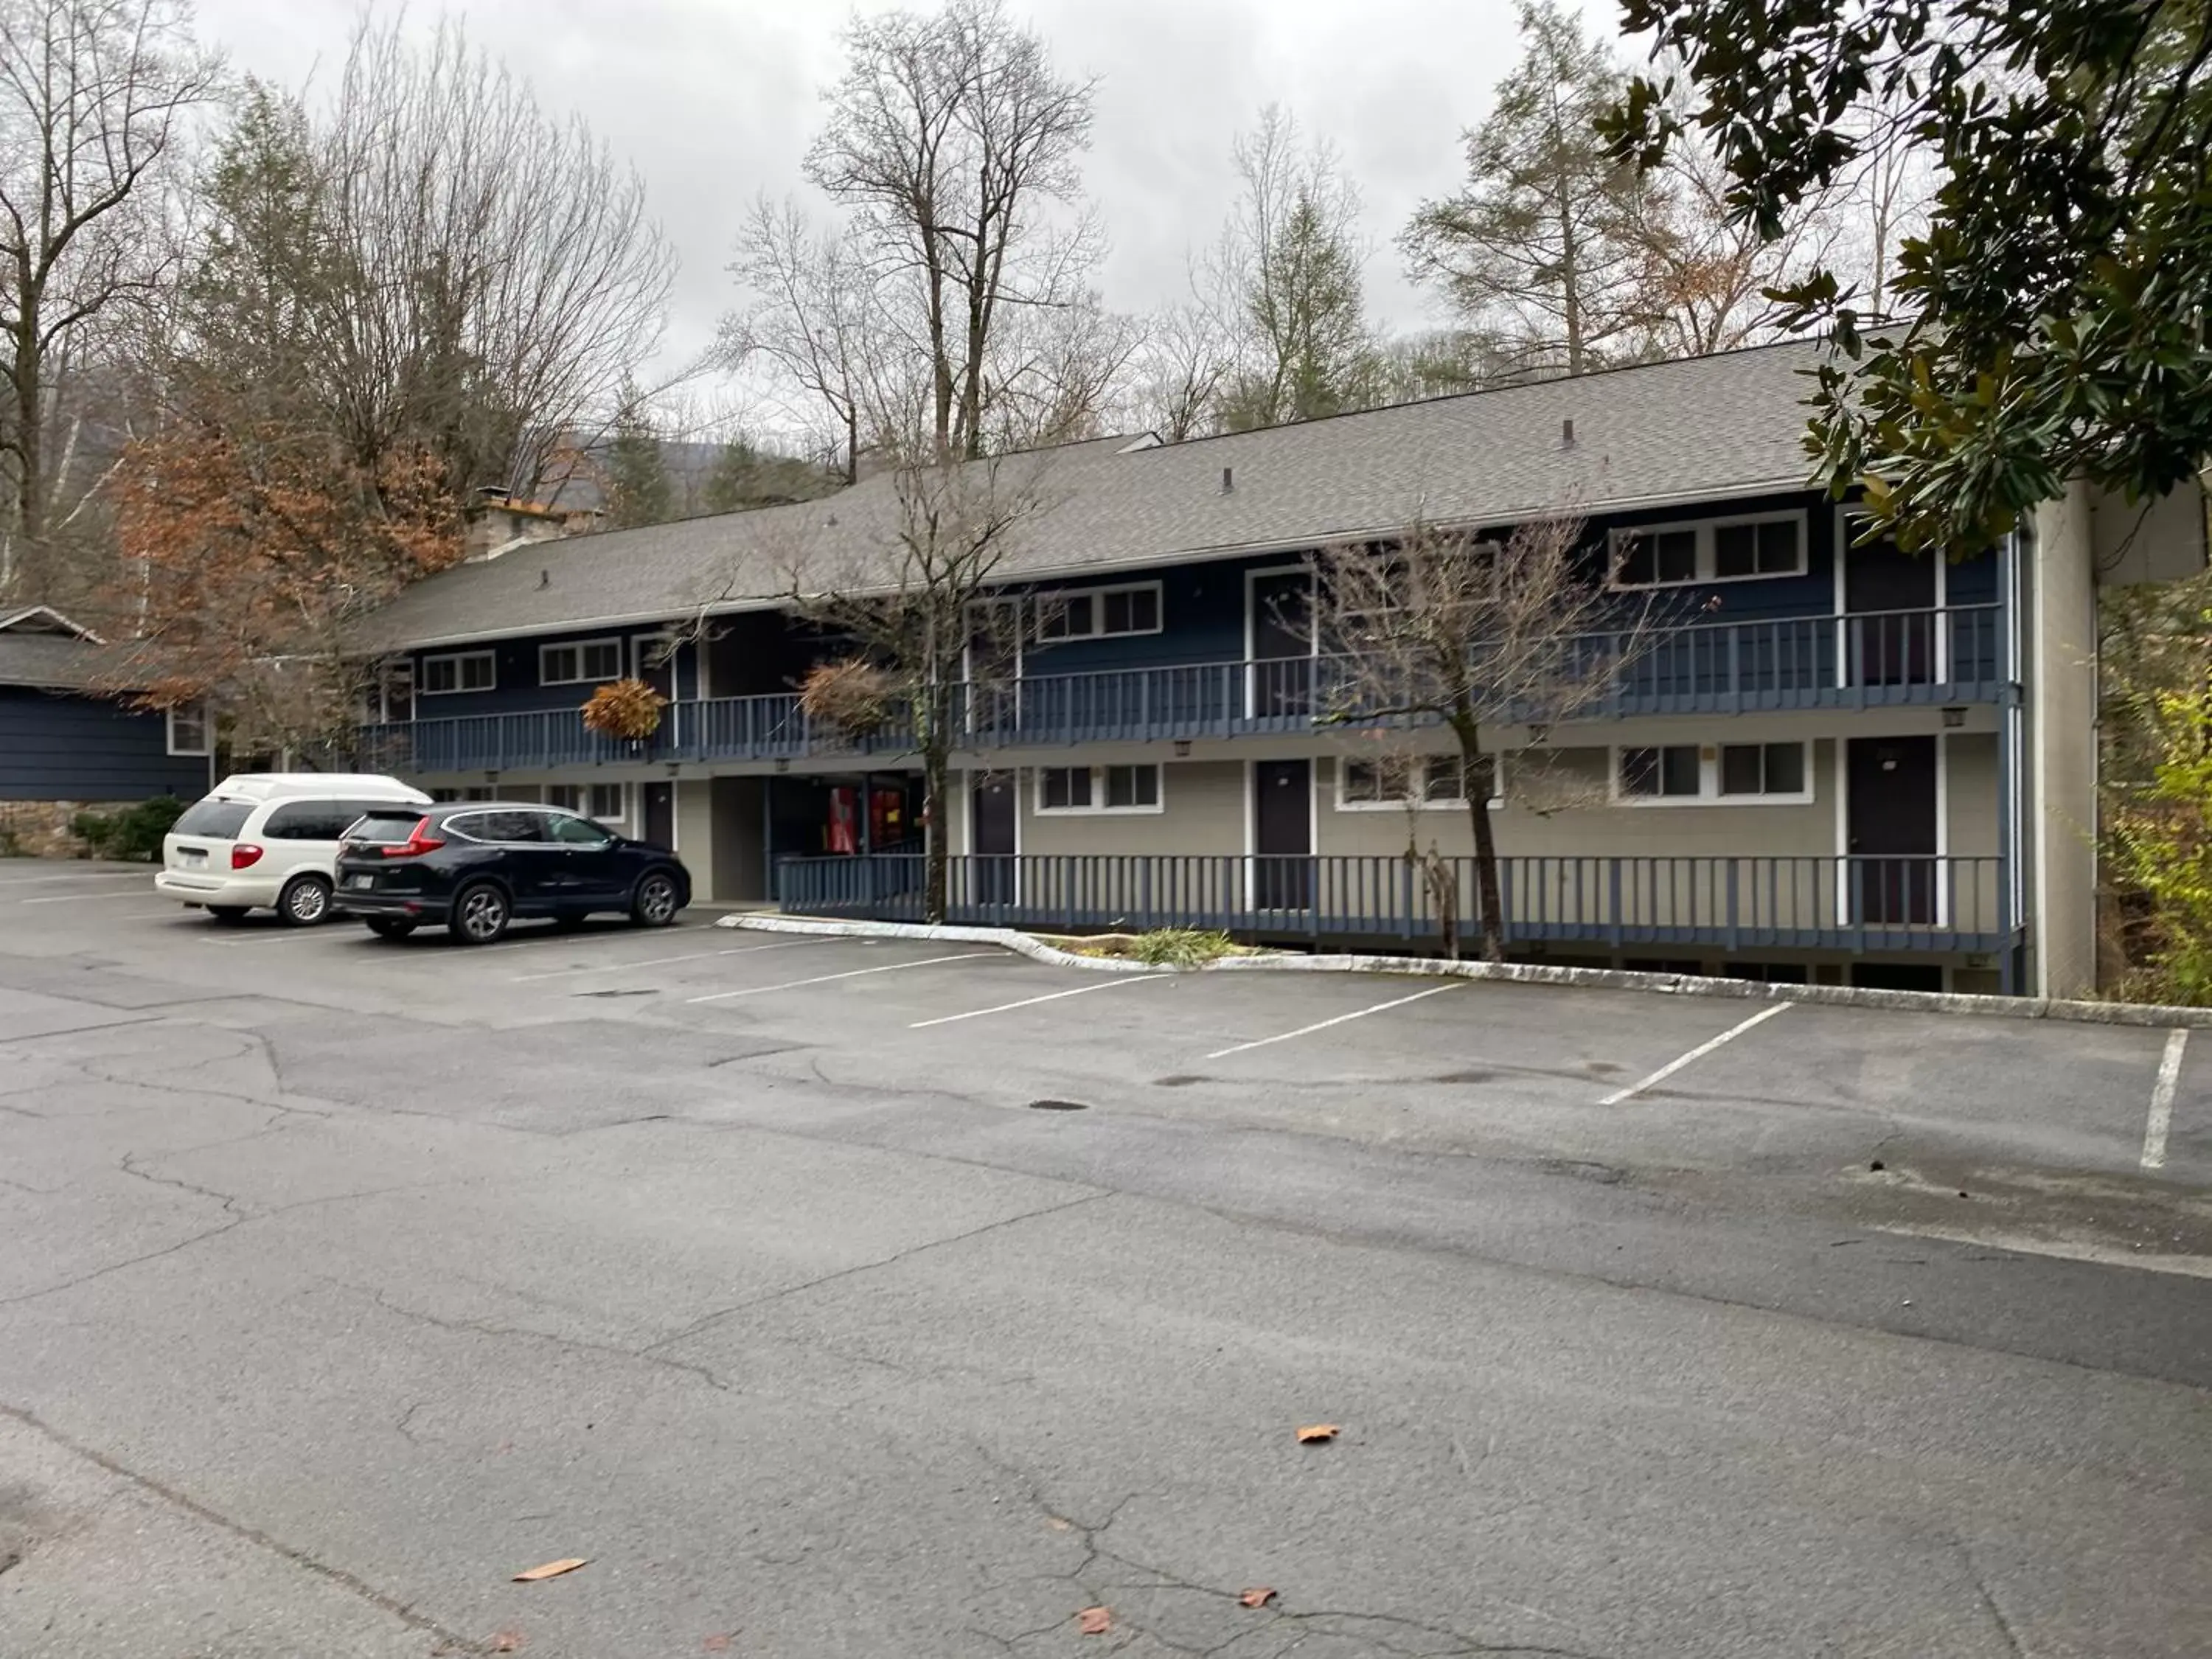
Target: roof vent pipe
(1228,480)
(1567,434)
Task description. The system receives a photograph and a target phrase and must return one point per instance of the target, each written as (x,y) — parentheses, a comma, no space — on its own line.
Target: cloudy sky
(714,100)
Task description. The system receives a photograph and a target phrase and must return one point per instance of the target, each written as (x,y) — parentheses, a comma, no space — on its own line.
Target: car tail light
(419,841)
(244,855)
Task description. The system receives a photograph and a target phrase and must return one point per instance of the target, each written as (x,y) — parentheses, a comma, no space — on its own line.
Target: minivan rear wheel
(480,913)
(305,902)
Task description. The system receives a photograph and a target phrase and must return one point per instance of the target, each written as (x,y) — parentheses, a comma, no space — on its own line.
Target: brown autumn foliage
(246,551)
(628,709)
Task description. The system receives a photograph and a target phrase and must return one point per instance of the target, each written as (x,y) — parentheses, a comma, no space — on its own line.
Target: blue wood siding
(56,746)
(515,689)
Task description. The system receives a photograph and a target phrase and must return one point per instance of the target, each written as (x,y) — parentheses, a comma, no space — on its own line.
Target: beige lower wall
(1203,812)
(2062,738)
(1581,823)
(694,837)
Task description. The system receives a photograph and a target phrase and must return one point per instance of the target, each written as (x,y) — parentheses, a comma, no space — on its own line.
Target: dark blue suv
(474,866)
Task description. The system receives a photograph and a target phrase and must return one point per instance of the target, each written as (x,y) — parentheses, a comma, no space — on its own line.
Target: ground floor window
(1370,785)
(1729,772)
(188,729)
(1098,788)
(602,801)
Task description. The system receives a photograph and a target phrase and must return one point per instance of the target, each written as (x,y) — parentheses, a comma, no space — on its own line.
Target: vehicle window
(511,827)
(222,819)
(385,826)
(470,826)
(576,832)
(310,820)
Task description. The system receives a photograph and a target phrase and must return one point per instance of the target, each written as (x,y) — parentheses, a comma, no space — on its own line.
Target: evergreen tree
(638,489)
(1546,250)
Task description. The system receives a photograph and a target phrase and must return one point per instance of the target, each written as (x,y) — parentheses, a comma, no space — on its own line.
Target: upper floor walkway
(1941,655)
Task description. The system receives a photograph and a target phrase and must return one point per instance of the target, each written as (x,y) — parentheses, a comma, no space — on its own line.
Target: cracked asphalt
(835,1299)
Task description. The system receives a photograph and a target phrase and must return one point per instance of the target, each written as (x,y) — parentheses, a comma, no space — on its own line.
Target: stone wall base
(40,829)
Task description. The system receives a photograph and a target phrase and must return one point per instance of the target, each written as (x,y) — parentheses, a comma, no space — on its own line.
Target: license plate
(361,881)
(192,858)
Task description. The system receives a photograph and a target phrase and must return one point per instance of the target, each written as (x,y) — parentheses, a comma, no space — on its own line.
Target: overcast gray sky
(715,100)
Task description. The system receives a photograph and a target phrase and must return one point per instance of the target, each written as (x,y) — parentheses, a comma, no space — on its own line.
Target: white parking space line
(854,973)
(1695,1054)
(1323,1025)
(80,898)
(663,962)
(103,875)
(1031,1002)
(2161,1100)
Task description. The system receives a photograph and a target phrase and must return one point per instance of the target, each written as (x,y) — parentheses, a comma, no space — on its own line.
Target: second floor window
(590,661)
(465,670)
(1099,612)
(1713,550)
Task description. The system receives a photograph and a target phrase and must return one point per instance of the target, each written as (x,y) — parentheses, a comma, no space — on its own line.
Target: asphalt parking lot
(862,1297)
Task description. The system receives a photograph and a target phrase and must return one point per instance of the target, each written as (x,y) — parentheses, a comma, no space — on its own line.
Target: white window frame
(424,689)
(1709,776)
(1097,807)
(1426,804)
(1099,631)
(197,708)
(582,806)
(546,677)
(1617,547)
(642,645)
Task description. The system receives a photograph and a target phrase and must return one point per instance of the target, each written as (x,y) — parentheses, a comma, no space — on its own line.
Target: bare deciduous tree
(1181,366)
(499,276)
(913,605)
(1291,256)
(954,144)
(1447,627)
(94,97)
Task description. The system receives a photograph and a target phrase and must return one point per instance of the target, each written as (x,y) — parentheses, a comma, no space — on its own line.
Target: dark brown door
(992,801)
(1891,599)
(1282,832)
(1282,647)
(1892,814)
(660,814)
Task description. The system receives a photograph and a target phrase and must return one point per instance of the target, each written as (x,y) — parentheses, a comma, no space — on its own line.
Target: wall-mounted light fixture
(1955,717)
(1182,748)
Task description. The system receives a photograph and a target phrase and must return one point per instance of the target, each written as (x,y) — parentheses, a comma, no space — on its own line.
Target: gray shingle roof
(1702,427)
(53,660)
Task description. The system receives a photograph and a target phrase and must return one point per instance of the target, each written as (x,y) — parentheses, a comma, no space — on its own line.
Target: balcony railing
(1745,902)
(1871,659)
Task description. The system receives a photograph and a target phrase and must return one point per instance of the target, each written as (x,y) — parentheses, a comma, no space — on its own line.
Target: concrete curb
(1516,973)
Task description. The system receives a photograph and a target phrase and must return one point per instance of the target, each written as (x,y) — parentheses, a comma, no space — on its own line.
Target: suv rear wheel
(305,902)
(657,901)
(480,913)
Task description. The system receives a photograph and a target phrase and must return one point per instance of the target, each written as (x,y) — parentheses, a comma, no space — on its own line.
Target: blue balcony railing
(1877,660)
(1746,902)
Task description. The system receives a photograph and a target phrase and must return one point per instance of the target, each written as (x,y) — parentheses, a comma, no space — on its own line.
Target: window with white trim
(188,729)
(458,671)
(1732,549)
(602,801)
(1370,787)
(1098,788)
(1097,613)
(1729,773)
(583,662)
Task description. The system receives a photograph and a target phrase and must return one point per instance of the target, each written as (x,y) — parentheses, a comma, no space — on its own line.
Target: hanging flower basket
(851,698)
(626,709)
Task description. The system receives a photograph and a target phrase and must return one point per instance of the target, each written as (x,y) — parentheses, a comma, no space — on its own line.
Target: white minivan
(269,840)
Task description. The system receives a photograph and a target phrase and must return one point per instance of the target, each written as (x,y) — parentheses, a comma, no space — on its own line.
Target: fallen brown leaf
(550,1570)
(1095,1621)
(1313,1432)
(507,1641)
(1059,1524)
(1257,1597)
(719,1642)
